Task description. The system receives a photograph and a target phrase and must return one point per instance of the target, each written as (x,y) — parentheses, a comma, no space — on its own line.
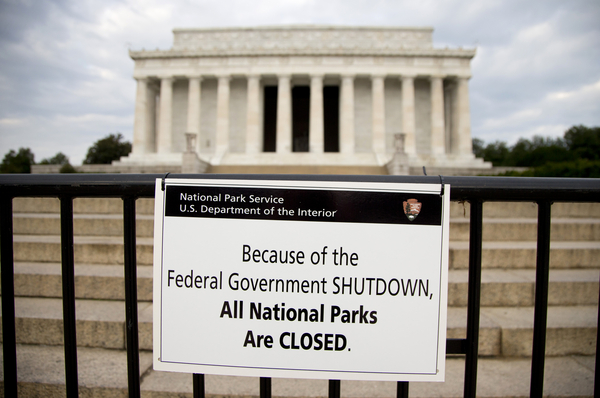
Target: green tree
(59,158)
(17,162)
(107,149)
(584,142)
(497,152)
(538,151)
(67,168)
(478,146)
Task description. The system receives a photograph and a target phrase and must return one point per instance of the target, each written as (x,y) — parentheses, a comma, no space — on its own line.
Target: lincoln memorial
(270,99)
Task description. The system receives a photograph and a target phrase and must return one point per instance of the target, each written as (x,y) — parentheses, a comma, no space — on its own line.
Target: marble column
(284,115)
(253,136)
(463,130)
(377,84)
(438,139)
(347,115)
(165,140)
(151,120)
(193,116)
(408,114)
(316,126)
(140,122)
(222,134)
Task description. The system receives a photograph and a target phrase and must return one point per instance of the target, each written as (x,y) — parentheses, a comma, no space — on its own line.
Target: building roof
(303,40)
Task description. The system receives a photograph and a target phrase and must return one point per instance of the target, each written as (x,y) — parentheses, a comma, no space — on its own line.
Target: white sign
(301,279)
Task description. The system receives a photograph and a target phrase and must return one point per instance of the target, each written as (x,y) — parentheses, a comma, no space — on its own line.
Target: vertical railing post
(9,340)
(402,389)
(335,388)
(473,303)
(198,385)
(597,364)
(131,309)
(265,387)
(542,275)
(68,291)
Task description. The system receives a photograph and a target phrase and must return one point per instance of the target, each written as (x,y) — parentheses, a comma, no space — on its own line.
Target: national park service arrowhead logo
(412,208)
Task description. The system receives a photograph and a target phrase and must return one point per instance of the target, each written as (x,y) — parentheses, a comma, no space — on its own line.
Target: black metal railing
(129,187)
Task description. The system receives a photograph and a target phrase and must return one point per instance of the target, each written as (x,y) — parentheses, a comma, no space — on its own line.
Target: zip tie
(442,183)
(424,171)
(163,180)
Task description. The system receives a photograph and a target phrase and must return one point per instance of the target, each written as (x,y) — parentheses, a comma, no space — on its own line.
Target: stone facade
(303,95)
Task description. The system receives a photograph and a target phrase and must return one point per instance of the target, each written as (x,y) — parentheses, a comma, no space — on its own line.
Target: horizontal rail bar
(463,188)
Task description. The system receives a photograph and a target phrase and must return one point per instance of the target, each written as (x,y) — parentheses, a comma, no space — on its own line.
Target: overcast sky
(66,77)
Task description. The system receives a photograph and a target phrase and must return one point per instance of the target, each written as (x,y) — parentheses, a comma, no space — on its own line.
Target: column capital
(348,75)
(317,75)
(408,76)
(253,76)
(221,76)
(284,76)
(437,76)
(166,77)
(378,76)
(195,77)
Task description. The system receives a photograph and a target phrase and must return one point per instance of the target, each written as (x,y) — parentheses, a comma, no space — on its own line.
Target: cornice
(436,53)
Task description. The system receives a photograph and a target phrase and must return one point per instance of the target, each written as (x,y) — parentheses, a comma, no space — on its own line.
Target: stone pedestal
(399,164)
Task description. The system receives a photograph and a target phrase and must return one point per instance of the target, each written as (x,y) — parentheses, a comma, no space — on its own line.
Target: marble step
(525,229)
(504,331)
(509,254)
(83,224)
(494,229)
(457,209)
(103,372)
(499,287)
(92,281)
(522,254)
(81,205)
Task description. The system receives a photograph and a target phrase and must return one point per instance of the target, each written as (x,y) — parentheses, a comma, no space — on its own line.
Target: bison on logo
(412,207)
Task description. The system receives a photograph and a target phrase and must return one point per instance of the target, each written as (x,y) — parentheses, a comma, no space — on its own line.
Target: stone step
(81,205)
(146,206)
(83,224)
(504,331)
(525,229)
(109,250)
(100,323)
(527,210)
(494,229)
(506,288)
(522,255)
(297,169)
(508,331)
(499,287)
(103,372)
(92,281)
(87,249)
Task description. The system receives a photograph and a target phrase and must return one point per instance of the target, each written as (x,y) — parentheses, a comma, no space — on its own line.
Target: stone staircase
(507,298)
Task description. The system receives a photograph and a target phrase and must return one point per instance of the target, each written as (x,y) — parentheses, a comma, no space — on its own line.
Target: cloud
(66,77)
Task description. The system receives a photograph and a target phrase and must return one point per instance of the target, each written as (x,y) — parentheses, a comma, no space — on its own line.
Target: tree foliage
(107,149)
(577,154)
(584,142)
(59,158)
(17,162)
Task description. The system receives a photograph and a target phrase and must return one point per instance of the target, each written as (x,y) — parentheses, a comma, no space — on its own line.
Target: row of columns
(146,141)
